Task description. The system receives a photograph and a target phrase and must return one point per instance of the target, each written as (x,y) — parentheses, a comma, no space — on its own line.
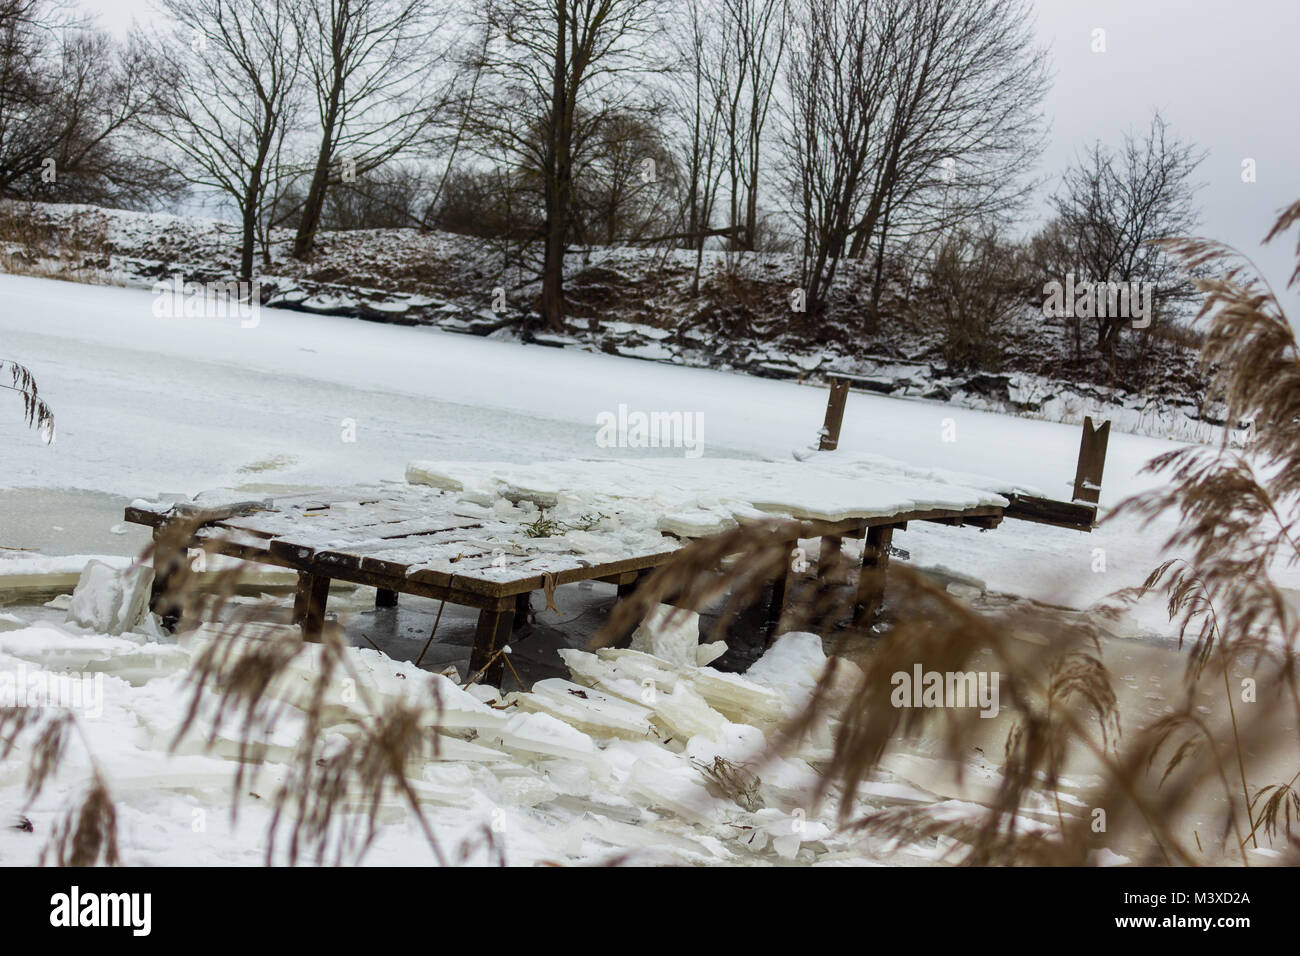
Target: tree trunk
(305,239)
(557,174)
(248,246)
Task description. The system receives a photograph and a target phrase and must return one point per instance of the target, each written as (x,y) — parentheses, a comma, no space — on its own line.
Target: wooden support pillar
(309,601)
(523,608)
(1092,461)
(828,557)
(628,582)
(492,634)
(871,580)
(167,564)
(385,598)
(834,414)
(782,587)
(161,601)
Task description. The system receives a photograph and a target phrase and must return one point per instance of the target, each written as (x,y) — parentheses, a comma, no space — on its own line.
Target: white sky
(1223,72)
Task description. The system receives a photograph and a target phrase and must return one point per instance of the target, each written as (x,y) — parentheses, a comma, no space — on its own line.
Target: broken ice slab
(446,747)
(109,600)
(525,790)
(588,710)
(677,711)
(545,735)
(650,838)
(276,746)
(378,680)
(669,633)
(571,778)
(740,700)
(706,654)
(788,831)
(678,788)
(683,714)
(58,651)
(641,667)
(795,663)
(444,784)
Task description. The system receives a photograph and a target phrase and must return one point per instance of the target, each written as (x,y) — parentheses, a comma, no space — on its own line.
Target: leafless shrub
(971,288)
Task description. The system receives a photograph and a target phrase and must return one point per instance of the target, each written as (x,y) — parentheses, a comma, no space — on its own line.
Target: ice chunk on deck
(109,600)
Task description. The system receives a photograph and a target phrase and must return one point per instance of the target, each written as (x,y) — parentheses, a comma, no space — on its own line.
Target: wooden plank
(1062,514)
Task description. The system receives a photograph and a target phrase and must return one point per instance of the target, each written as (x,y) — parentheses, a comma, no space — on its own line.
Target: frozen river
(146,405)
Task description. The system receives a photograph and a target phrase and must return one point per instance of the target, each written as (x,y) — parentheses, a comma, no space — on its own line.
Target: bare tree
(753,34)
(68,97)
(697,104)
(555,60)
(624,178)
(1110,208)
(226,109)
(370,63)
(906,116)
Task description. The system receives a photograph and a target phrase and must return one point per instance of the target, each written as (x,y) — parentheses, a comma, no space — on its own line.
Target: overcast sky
(1225,74)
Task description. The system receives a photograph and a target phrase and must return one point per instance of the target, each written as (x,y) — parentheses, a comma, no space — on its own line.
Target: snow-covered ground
(146,405)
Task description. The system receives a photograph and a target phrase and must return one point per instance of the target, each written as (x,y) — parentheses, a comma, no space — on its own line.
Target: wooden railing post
(1092,461)
(834,413)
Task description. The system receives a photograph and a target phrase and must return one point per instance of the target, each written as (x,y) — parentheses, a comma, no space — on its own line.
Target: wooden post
(871,580)
(492,634)
(781,588)
(1092,461)
(309,604)
(834,414)
(628,582)
(523,607)
(161,602)
(167,565)
(828,557)
(385,598)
